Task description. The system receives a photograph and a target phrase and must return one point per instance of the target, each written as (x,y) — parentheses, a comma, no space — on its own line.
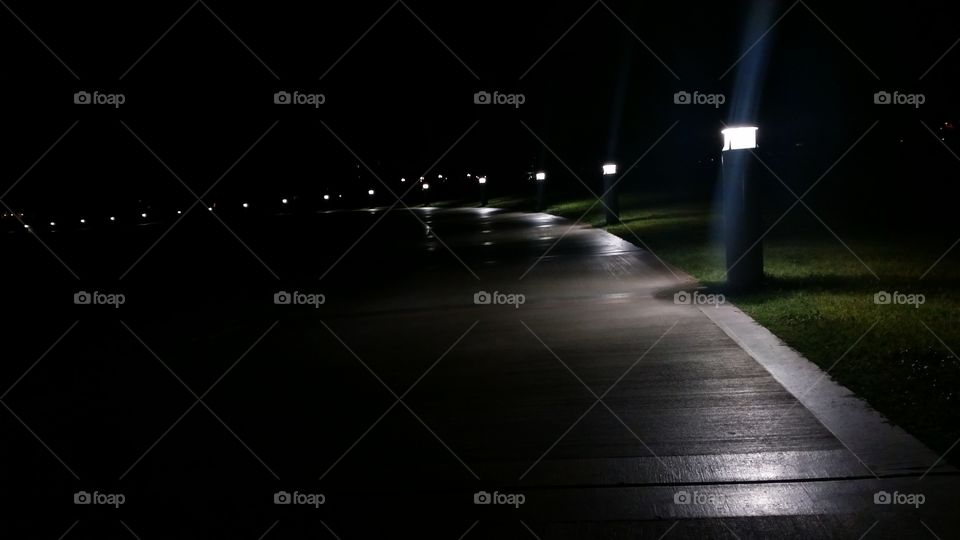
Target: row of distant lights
(607,169)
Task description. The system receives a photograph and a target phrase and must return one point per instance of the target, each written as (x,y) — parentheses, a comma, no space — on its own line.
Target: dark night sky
(400,99)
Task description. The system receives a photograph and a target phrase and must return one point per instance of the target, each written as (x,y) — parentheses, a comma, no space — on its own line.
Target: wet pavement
(459,354)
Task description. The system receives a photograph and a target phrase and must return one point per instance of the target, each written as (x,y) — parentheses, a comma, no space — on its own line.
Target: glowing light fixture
(370,192)
(609,168)
(541,176)
(143,215)
(112,218)
(426,186)
(52,224)
(739,138)
(284,201)
(82,220)
(246,205)
(482,179)
(326,197)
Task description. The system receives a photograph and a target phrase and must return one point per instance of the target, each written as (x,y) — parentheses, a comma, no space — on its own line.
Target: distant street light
(403,179)
(143,215)
(541,178)
(112,218)
(284,201)
(426,187)
(611,200)
(482,182)
(370,192)
(246,205)
(82,220)
(52,224)
(326,197)
(741,209)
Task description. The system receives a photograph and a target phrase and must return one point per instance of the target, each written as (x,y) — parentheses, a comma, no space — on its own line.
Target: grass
(818,298)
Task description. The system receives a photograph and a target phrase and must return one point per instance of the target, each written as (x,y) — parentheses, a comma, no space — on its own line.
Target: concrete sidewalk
(617,410)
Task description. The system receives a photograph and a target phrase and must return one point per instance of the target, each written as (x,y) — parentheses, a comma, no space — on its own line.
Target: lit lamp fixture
(611,199)
(112,218)
(82,220)
(403,179)
(482,182)
(741,209)
(541,178)
(370,192)
(739,138)
(143,215)
(284,201)
(326,197)
(246,205)
(426,187)
(53,224)
(179,212)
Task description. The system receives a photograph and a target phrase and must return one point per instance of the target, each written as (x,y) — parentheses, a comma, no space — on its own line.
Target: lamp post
(541,179)
(426,194)
(482,182)
(741,209)
(611,201)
